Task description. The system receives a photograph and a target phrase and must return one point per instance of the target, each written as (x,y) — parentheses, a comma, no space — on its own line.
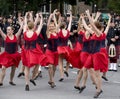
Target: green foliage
(114,5)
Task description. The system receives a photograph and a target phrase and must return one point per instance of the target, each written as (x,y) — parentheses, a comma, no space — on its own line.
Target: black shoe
(104,78)
(1,84)
(11,83)
(27,88)
(61,79)
(110,69)
(33,82)
(115,70)
(77,87)
(97,94)
(21,74)
(52,85)
(49,82)
(66,73)
(39,75)
(81,89)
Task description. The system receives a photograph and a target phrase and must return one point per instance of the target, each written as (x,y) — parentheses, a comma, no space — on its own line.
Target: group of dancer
(85,51)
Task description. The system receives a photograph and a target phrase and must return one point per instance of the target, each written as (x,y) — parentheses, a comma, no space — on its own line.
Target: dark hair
(62,25)
(98,25)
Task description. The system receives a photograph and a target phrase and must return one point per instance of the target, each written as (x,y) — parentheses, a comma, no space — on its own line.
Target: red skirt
(83,58)
(78,47)
(98,61)
(9,60)
(74,59)
(33,57)
(52,57)
(65,51)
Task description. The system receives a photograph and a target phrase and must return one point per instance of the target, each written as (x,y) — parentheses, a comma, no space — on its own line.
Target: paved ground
(63,90)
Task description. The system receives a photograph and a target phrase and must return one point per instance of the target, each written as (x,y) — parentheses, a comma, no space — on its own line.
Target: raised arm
(54,18)
(36,21)
(85,25)
(40,25)
(48,23)
(95,29)
(97,16)
(31,16)
(108,25)
(25,23)
(20,29)
(2,34)
(70,22)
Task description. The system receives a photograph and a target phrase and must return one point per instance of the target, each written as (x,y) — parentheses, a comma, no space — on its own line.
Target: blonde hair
(30,25)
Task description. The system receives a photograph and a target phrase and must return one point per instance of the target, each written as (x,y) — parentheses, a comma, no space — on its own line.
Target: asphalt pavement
(63,90)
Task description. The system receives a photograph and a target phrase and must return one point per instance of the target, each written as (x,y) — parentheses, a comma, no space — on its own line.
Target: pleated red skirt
(9,60)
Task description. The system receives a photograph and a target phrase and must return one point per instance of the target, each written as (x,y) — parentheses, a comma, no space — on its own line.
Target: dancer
(51,51)
(10,57)
(31,53)
(97,58)
(63,48)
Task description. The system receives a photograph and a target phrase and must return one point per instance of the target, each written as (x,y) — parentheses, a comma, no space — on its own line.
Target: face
(52,26)
(9,20)
(9,30)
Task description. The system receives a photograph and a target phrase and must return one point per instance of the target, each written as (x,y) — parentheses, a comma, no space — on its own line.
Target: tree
(114,5)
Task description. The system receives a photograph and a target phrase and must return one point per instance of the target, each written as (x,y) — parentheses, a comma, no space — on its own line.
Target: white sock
(39,68)
(115,66)
(111,66)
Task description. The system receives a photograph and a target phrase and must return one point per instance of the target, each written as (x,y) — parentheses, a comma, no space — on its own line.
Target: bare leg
(61,67)
(78,79)
(51,76)
(85,76)
(21,71)
(35,71)
(92,75)
(27,78)
(99,84)
(66,69)
(2,74)
(13,68)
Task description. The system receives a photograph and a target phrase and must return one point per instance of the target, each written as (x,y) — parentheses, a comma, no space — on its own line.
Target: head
(98,25)
(52,26)
(30,25)
(9,20)
(63,25)
(10,30)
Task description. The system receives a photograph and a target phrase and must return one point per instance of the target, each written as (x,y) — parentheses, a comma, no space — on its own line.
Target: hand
(55,11)
(99,13)
(109,15)
(87,12)
(37,15)
(113,39)
(116,37)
